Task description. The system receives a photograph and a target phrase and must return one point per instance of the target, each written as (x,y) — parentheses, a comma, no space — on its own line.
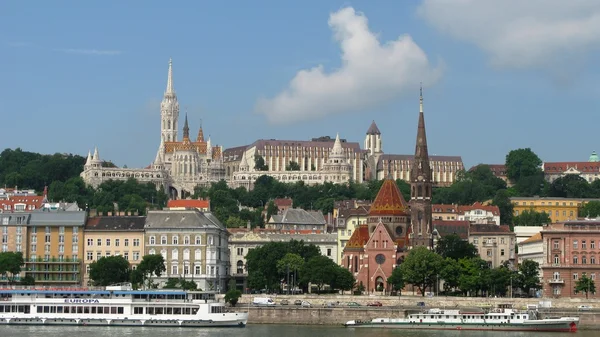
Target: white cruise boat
(116,306)
(502,319)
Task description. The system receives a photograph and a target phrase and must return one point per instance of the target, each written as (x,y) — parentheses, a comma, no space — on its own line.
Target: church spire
(88,161)
(421,99)
(186,129)
(337,149)
(200,137)
(170,90)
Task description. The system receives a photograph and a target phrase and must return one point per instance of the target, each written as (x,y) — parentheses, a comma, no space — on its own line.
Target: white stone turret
(159,161)
(337,151)
(88,161)
(337,163)
(169,110)
(244,166)
(209,149)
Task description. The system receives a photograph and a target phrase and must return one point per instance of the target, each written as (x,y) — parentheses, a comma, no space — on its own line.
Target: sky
(496,75)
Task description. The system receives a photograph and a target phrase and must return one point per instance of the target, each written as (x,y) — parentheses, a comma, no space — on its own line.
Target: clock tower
(420,185)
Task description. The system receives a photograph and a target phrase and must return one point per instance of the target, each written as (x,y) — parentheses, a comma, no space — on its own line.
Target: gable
(381,238)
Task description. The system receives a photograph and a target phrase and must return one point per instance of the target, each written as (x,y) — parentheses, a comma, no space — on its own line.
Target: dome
(594,157)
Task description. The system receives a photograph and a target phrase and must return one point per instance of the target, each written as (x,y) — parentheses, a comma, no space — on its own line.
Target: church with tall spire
(179,165)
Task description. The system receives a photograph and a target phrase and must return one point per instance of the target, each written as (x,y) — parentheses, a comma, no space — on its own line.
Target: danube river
(260,331)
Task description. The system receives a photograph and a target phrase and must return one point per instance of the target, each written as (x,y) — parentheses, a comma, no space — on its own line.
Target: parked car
(298,302)
(353,304)
(284,302)
(584,308)
(306,304)
(329,304)
(375,304)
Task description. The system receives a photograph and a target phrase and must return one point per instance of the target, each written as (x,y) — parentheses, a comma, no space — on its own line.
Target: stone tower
(169,110)
(420,195)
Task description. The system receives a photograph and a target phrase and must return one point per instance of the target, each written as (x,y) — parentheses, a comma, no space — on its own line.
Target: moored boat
(116,306)
(502,319)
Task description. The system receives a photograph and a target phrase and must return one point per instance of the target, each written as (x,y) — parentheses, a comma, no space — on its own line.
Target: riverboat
(116,306)
(498,319)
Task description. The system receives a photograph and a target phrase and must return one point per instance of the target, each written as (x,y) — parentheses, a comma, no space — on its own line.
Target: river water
(259,331)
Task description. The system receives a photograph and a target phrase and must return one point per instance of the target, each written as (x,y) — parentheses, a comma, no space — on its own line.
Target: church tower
(169,110)
(420,185)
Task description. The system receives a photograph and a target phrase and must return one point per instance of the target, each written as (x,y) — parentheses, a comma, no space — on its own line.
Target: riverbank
(320,314)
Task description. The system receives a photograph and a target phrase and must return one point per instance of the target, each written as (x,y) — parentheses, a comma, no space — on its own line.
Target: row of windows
(186,240)
(59,309)
(61,248)
(544,203)
(549,212)
(136,242)
(90,255)
(165,311)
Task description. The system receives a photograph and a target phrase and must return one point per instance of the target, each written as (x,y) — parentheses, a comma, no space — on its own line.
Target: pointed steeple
(96,156)
(88,161)
(200,137)
(186,129)
(159,154)
(373,129)
(244,166)
(209,148)
(337,149)
(421,147)
(170,90)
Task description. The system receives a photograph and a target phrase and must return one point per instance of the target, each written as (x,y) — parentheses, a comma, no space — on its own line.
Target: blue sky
(498,75)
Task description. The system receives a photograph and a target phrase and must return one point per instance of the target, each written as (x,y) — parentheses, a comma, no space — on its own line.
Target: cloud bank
(371,73)
(520,33)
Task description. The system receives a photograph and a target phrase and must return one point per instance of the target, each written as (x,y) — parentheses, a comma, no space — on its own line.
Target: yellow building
(113,236)
(559,209)
(347,221)
(444,212)
(54,247)
(14,234)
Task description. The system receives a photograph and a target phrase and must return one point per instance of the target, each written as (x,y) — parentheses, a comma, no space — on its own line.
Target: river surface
(260,331)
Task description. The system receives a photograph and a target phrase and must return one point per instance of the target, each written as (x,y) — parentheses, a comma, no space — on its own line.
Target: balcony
(556,281)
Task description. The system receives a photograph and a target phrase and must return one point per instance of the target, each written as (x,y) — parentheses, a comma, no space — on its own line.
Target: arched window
(356,264)
(186,240)
(240,267)
(556,259)
(186,254)
(175,254)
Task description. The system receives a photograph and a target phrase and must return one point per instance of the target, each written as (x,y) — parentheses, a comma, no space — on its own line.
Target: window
(108,254)
(126,255)
(186,269)
(47,230)
(136,242)
(592,244)
(33,239)
(186,254)
(47,238)
(592,259)
(575,276)
(575,244)
(163,240)
(186,240)
(75,230)
(583,244)
(501,252)
(584,259)
(197,270)
(98,255)
(556,275)
(107,242)
(90,256)
(136,256)
(99,242)
(198,254)
(575,260)
(33,248)
(75,248)
(501,241)
(570,213)
(198,240)
(211,241)
(328,251)
(126,242)
(174,269)
(517,212)
(117,242)
(152,240)
(476,241)
(90,242)
(61,239)
(175,254)
(556,244)
(240,251)
(175,240)
(489,252)
(61,230)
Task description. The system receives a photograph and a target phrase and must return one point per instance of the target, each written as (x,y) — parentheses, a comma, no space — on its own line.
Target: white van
(263,301)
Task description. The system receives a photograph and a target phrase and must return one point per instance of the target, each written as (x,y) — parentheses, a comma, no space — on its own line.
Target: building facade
(113,236)
(346,222)
(532,249)
(53,255)
(558,209)
(571,250)
(14,235)
(495,244)
(242,240)
(444,212)
(179,165)
(479,214)
(588,170)
(298,219)
(193,244)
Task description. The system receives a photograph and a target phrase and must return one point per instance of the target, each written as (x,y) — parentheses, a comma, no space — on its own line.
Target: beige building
(444,212)
(113,236)
(55,247)
(495,244)
(346,223)
(194,245)
(14,235)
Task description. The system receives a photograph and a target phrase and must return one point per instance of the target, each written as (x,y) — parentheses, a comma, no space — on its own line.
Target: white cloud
(521,33)
(90,51)
(371,73)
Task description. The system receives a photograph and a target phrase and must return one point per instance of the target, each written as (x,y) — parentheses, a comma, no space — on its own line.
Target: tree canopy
(452,246)
(109,270)
(151,265)
(11,264)
(421,268)
(585,285)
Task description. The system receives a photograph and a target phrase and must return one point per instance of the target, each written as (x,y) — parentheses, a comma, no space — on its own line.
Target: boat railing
(49,288)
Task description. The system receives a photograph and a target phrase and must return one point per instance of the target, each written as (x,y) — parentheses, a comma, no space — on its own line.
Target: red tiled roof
(444,208)
(389,200)
(188,203)
(581,166)
(283,202)
(489,228)
(359,238)
(488,208)
(30,201)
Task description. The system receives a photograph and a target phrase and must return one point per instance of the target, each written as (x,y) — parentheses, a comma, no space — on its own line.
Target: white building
(525,232)
(179,165)
(532,249)
(479,214)
(194,245)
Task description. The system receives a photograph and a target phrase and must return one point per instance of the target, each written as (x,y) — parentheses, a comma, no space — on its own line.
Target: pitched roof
(188,203)
(444,208)
(489,208)
(115,223)
(389,200)
(30,202)
(283,202)
(373,129)
(447,227)
(58,218)
(489,228)
(181,219)
(409,158)
(298,216)
(359,238)
(581,166)
(534,238)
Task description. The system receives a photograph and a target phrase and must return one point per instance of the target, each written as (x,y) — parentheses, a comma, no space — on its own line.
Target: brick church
(393,226)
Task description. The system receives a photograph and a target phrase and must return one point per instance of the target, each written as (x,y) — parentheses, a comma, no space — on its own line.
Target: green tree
(473,275)
(152,264)
(28,280)
(259,163)
(500,280)
(505,206)
(232,296)
(522,163)
(109,270)
(591,209)
(235,222)
(319,270)
(452,246)
(271,210)
(531,218)
(585,285)
(570,186)
(292,166)
(344,280)
(180,283)
(396,280)
(529,276)
(10,265)
(421,268)
(450,273)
